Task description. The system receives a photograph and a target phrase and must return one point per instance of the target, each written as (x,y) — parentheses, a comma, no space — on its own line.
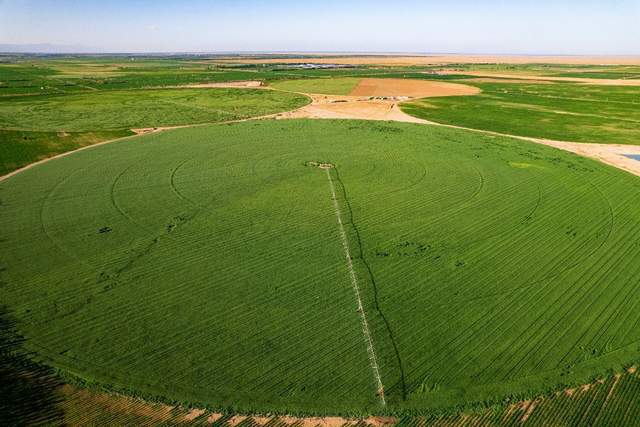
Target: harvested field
(369,98)
(350,107)
(410,88)
(377,87)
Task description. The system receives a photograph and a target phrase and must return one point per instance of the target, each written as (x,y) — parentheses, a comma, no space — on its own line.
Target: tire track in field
(360,253)
(172,183)
(114,202)
(354,282)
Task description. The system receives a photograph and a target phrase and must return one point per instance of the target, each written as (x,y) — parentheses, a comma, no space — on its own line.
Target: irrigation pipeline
(360,254)
(356,289)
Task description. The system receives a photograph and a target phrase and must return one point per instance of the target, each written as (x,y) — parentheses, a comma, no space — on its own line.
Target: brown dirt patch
(377,99)
(410,88)
(193,414)
(350,107)
(530,408)
(213,418)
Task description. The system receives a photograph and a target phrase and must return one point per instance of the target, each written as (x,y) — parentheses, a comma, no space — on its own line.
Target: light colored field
(410,88)
(445,59)
(350,107)
(358,105)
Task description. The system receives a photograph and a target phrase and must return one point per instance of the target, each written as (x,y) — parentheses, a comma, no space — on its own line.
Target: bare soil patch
(350,107)
(377,99)
(410,88)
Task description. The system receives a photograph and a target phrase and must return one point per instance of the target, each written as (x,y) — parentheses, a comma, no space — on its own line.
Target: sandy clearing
(410,88)
(611,154)
(193,414)
(308,421)
(524,78)
(387,94)
(439,59)
(350,107)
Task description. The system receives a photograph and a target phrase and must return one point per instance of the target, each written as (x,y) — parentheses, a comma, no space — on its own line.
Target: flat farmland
(216,274)
(38,126)
(560,111)
(110,110)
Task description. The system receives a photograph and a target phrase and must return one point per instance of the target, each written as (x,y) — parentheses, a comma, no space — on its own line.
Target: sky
(569,27)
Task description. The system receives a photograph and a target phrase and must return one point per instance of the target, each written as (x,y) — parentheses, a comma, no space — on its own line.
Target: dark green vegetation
(214,273)
(566,112)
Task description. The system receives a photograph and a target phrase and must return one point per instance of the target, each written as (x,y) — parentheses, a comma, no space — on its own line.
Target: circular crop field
(323,266)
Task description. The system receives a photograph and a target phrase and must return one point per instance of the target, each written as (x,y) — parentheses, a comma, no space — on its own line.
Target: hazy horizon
(490,27)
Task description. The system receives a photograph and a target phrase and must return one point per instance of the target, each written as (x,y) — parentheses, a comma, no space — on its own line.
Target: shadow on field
(28,392)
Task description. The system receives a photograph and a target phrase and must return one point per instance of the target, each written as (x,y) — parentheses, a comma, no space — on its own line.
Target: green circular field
(208,265)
